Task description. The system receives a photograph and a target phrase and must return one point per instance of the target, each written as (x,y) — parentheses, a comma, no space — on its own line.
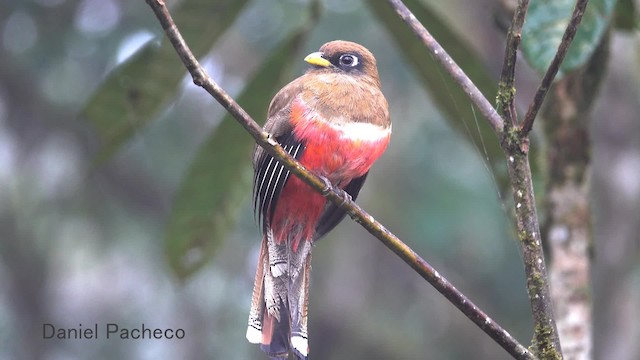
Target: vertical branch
(516,145)
(506,88)
(545,340)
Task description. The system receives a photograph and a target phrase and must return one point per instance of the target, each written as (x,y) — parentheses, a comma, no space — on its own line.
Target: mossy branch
(506,86)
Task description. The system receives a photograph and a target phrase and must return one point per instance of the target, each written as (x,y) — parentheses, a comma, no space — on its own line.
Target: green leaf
(545,24)
(135,92)
(446,94)
(219,178)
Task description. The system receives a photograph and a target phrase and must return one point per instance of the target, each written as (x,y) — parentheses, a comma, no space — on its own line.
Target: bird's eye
(348,60)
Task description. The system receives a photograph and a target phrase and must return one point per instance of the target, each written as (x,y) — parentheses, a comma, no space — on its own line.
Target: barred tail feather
(299,300)
(278,315)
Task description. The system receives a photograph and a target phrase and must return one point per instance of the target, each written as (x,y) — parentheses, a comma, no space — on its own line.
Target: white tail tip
(300,344)
(254,335)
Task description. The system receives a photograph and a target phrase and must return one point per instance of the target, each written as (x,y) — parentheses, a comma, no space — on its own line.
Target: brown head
(344,57)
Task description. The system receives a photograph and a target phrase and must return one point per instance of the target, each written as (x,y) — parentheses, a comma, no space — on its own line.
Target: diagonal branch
(441,56)
(506,87)
(335,195)
(567,38)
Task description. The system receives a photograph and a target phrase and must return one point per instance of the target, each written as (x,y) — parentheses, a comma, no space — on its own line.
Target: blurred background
(83,235)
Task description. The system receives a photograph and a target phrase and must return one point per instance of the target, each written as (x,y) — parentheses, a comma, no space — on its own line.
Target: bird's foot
(341,193)
(327,185)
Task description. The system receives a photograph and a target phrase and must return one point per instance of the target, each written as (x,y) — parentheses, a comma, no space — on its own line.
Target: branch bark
(516,145)
(546,343)
(506,88)
(333,194)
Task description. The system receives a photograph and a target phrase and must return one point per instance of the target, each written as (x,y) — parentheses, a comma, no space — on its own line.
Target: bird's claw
(341,193)
(327,186)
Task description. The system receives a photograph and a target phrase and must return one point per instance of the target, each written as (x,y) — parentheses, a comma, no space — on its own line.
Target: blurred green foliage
(137,90)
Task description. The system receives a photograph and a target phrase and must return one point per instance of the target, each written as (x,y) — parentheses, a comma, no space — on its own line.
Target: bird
(334,119)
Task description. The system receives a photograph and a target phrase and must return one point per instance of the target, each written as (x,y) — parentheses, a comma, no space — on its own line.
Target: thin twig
(450,66)
(506,87)
(200,78)
(567,38)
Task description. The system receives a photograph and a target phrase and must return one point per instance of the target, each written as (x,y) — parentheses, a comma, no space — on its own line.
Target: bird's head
(343,57)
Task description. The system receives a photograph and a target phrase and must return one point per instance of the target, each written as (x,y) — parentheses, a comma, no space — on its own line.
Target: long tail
(278,315)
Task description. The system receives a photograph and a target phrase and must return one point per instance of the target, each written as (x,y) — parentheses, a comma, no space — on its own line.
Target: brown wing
(270,175)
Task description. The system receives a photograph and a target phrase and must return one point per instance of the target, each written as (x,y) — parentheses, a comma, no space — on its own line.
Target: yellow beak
(317,59)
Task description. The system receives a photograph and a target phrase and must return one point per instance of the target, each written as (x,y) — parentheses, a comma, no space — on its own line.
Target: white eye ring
(348,60)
